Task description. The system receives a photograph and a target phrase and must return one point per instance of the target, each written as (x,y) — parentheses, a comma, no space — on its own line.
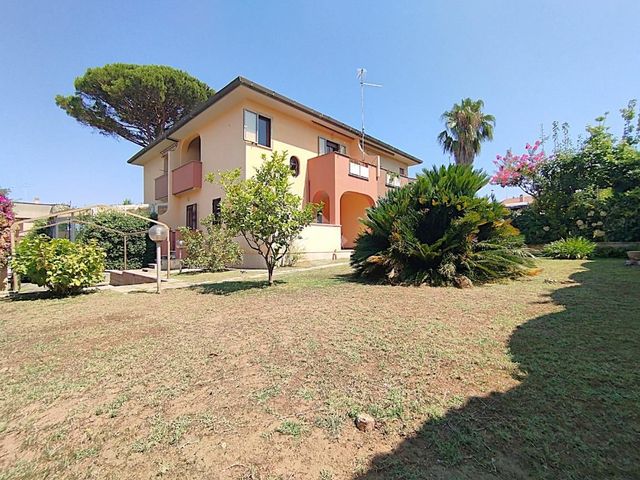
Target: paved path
(175,283)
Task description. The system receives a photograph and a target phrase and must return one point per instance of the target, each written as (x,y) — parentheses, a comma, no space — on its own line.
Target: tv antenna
(362,74)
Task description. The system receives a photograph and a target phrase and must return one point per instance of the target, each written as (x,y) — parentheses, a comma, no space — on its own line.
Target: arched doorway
(352,209)
(324,216)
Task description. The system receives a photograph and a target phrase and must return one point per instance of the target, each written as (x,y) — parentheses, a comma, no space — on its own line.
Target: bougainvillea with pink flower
(6,220)
(520,170)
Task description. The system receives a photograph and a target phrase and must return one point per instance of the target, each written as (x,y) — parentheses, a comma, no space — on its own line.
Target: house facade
(243,122)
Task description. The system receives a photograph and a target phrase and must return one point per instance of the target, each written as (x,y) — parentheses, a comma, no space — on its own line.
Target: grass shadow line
(231,287)
(574,413)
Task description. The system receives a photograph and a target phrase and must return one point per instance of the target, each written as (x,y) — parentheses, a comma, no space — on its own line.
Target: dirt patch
(249,382)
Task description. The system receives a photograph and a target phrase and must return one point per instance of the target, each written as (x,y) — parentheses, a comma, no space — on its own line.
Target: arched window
(294,164)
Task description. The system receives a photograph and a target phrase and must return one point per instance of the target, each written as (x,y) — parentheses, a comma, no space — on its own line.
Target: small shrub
(62,266)
(602,251)
(571,248)
(212,250)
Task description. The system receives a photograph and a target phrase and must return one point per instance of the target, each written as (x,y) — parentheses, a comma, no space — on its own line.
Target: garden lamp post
(158,234)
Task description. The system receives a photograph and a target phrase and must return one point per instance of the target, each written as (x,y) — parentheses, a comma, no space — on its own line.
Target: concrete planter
(634,257)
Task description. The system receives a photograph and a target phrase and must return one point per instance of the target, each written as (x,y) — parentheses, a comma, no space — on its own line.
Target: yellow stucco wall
(152,170)
(223,148)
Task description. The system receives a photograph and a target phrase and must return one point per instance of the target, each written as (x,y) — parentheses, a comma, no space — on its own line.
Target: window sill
(254,144)
(366,179)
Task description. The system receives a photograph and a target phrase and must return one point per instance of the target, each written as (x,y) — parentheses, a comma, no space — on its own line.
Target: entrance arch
(323,197)
(352,209)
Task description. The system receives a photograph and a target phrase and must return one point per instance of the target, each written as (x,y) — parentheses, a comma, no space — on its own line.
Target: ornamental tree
(135,102)
(520,170)
(6,220)
(263,210)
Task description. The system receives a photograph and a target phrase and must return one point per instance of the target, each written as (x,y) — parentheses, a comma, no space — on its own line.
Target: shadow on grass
(45,295)
(228,288)
(576,414)
(352,278)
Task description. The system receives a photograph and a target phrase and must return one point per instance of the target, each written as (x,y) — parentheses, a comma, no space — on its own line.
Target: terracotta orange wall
(352,206)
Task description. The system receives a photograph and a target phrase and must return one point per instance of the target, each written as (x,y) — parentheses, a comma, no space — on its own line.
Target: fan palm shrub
(437,231)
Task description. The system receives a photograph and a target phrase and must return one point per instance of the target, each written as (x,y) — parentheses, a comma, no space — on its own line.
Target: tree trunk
(270,268)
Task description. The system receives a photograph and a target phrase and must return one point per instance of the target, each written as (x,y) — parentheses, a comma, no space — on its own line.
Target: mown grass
(530,379)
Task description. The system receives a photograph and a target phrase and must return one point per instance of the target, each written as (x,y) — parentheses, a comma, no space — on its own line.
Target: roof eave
(238,81)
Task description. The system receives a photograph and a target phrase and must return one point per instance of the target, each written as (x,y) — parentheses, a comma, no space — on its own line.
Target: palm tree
(466,128)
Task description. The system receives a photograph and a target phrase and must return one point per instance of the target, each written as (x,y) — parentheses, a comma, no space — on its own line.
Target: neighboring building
(35,209)
(64,226)
(235,128)
(517,203)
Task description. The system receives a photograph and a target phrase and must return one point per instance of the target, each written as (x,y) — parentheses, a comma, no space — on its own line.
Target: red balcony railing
(187,177)
(162,187)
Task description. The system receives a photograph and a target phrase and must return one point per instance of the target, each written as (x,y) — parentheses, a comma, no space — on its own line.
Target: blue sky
(531,62)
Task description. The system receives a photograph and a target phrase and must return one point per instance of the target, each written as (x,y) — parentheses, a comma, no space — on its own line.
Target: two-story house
(239,124)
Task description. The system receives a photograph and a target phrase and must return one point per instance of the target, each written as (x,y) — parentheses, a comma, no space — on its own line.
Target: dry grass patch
(240,381)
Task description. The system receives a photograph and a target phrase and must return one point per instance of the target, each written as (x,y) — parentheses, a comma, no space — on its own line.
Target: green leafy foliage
(607,251)
(466,127)
(135,102)
(62,266)
(212,250)
(106,228)
(592,190)
(263,209)
(571,248)
(437,231)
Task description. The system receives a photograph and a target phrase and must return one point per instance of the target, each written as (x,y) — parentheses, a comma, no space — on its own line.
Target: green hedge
(140,249)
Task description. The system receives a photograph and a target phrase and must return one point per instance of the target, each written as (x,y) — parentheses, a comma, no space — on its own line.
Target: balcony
(186,178)
(345,187)
(335,174)
(162,187)
(390,180)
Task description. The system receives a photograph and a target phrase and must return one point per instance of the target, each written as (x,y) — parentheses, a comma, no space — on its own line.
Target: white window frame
(357,169)
(245,130)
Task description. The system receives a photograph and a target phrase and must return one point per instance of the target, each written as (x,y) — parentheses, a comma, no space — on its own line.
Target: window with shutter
(250,126)
(322,146)
(327,146)
(257,128)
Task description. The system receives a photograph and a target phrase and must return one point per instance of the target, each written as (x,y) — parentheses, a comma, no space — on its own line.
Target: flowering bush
(520,170)
(6,220)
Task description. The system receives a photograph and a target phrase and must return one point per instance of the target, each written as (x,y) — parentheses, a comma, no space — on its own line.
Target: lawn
(537,378)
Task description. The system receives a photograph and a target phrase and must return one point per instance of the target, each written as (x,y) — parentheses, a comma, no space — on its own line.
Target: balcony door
(328,146)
